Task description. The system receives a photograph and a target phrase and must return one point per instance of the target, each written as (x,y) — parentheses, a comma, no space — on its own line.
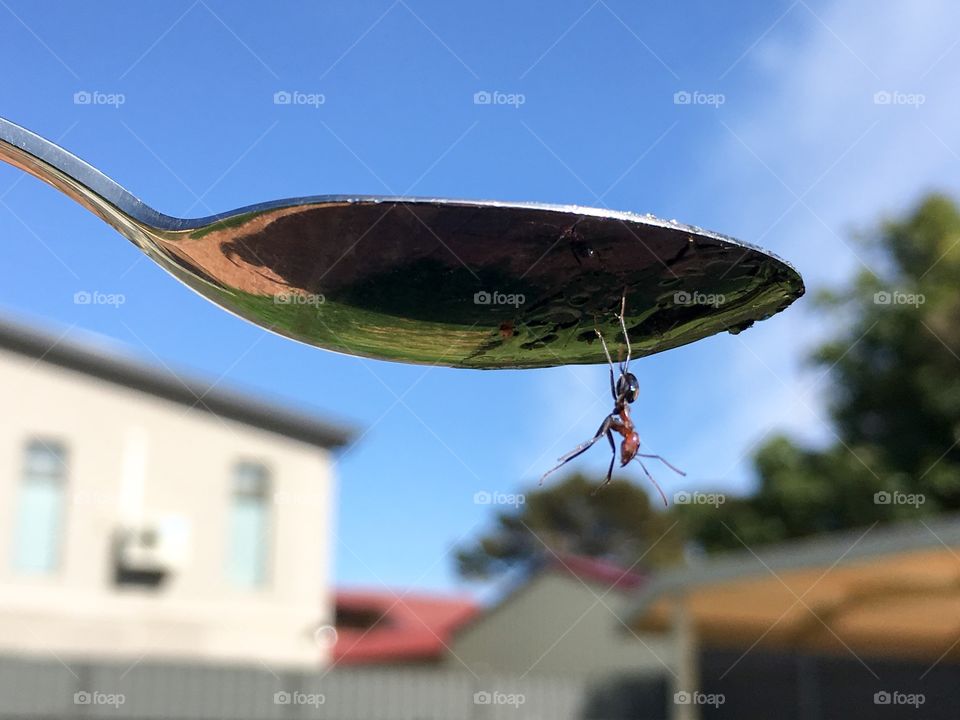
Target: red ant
(625,391)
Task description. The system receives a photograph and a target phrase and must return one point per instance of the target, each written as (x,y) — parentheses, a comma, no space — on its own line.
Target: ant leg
(613,459)
(579,449)
(677,470)
(613,385)
(655,484)
(623,326)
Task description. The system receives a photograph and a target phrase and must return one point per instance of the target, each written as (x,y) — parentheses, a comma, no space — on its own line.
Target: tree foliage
(894,369)
(617,524)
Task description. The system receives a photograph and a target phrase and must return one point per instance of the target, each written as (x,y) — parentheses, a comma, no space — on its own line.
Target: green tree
(617,524)
(894,365)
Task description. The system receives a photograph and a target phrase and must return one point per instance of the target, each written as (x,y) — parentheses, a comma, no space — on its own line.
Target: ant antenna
(613,385)
(623,326)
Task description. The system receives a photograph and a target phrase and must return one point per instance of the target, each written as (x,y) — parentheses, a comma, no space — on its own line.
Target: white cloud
(818,123)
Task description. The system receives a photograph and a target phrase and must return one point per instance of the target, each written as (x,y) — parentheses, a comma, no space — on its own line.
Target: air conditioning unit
(149,551)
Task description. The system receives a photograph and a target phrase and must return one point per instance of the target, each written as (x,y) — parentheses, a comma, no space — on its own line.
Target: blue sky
(798,154)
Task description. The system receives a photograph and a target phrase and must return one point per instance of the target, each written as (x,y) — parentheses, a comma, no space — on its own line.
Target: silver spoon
(429,280)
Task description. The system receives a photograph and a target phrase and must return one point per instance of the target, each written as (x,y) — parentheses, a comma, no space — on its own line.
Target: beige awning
(895,604)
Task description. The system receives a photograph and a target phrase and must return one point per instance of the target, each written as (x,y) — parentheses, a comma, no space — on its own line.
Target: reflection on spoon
(448,282)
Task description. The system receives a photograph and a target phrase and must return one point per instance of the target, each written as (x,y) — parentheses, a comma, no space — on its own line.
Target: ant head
(628,387)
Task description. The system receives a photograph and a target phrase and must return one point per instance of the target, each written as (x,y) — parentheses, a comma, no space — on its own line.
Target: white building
(147,515)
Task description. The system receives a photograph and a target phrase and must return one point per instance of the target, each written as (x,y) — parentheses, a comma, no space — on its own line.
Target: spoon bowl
(448,282)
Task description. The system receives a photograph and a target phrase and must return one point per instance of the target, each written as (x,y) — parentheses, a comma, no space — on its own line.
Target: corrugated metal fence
(41,688)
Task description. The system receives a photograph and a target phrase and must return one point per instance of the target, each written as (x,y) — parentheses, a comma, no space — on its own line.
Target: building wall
(115,437)
(555,625)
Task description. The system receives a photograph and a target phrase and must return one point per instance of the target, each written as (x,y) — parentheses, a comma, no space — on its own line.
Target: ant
(625,391)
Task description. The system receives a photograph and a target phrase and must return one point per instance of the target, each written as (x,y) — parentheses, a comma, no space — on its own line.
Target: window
(39,521)
(249,526)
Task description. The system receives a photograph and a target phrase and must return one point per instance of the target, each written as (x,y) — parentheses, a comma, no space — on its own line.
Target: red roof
(596,570)
(410,628)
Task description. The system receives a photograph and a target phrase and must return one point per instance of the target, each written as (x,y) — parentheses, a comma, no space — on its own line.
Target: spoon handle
(79,180)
